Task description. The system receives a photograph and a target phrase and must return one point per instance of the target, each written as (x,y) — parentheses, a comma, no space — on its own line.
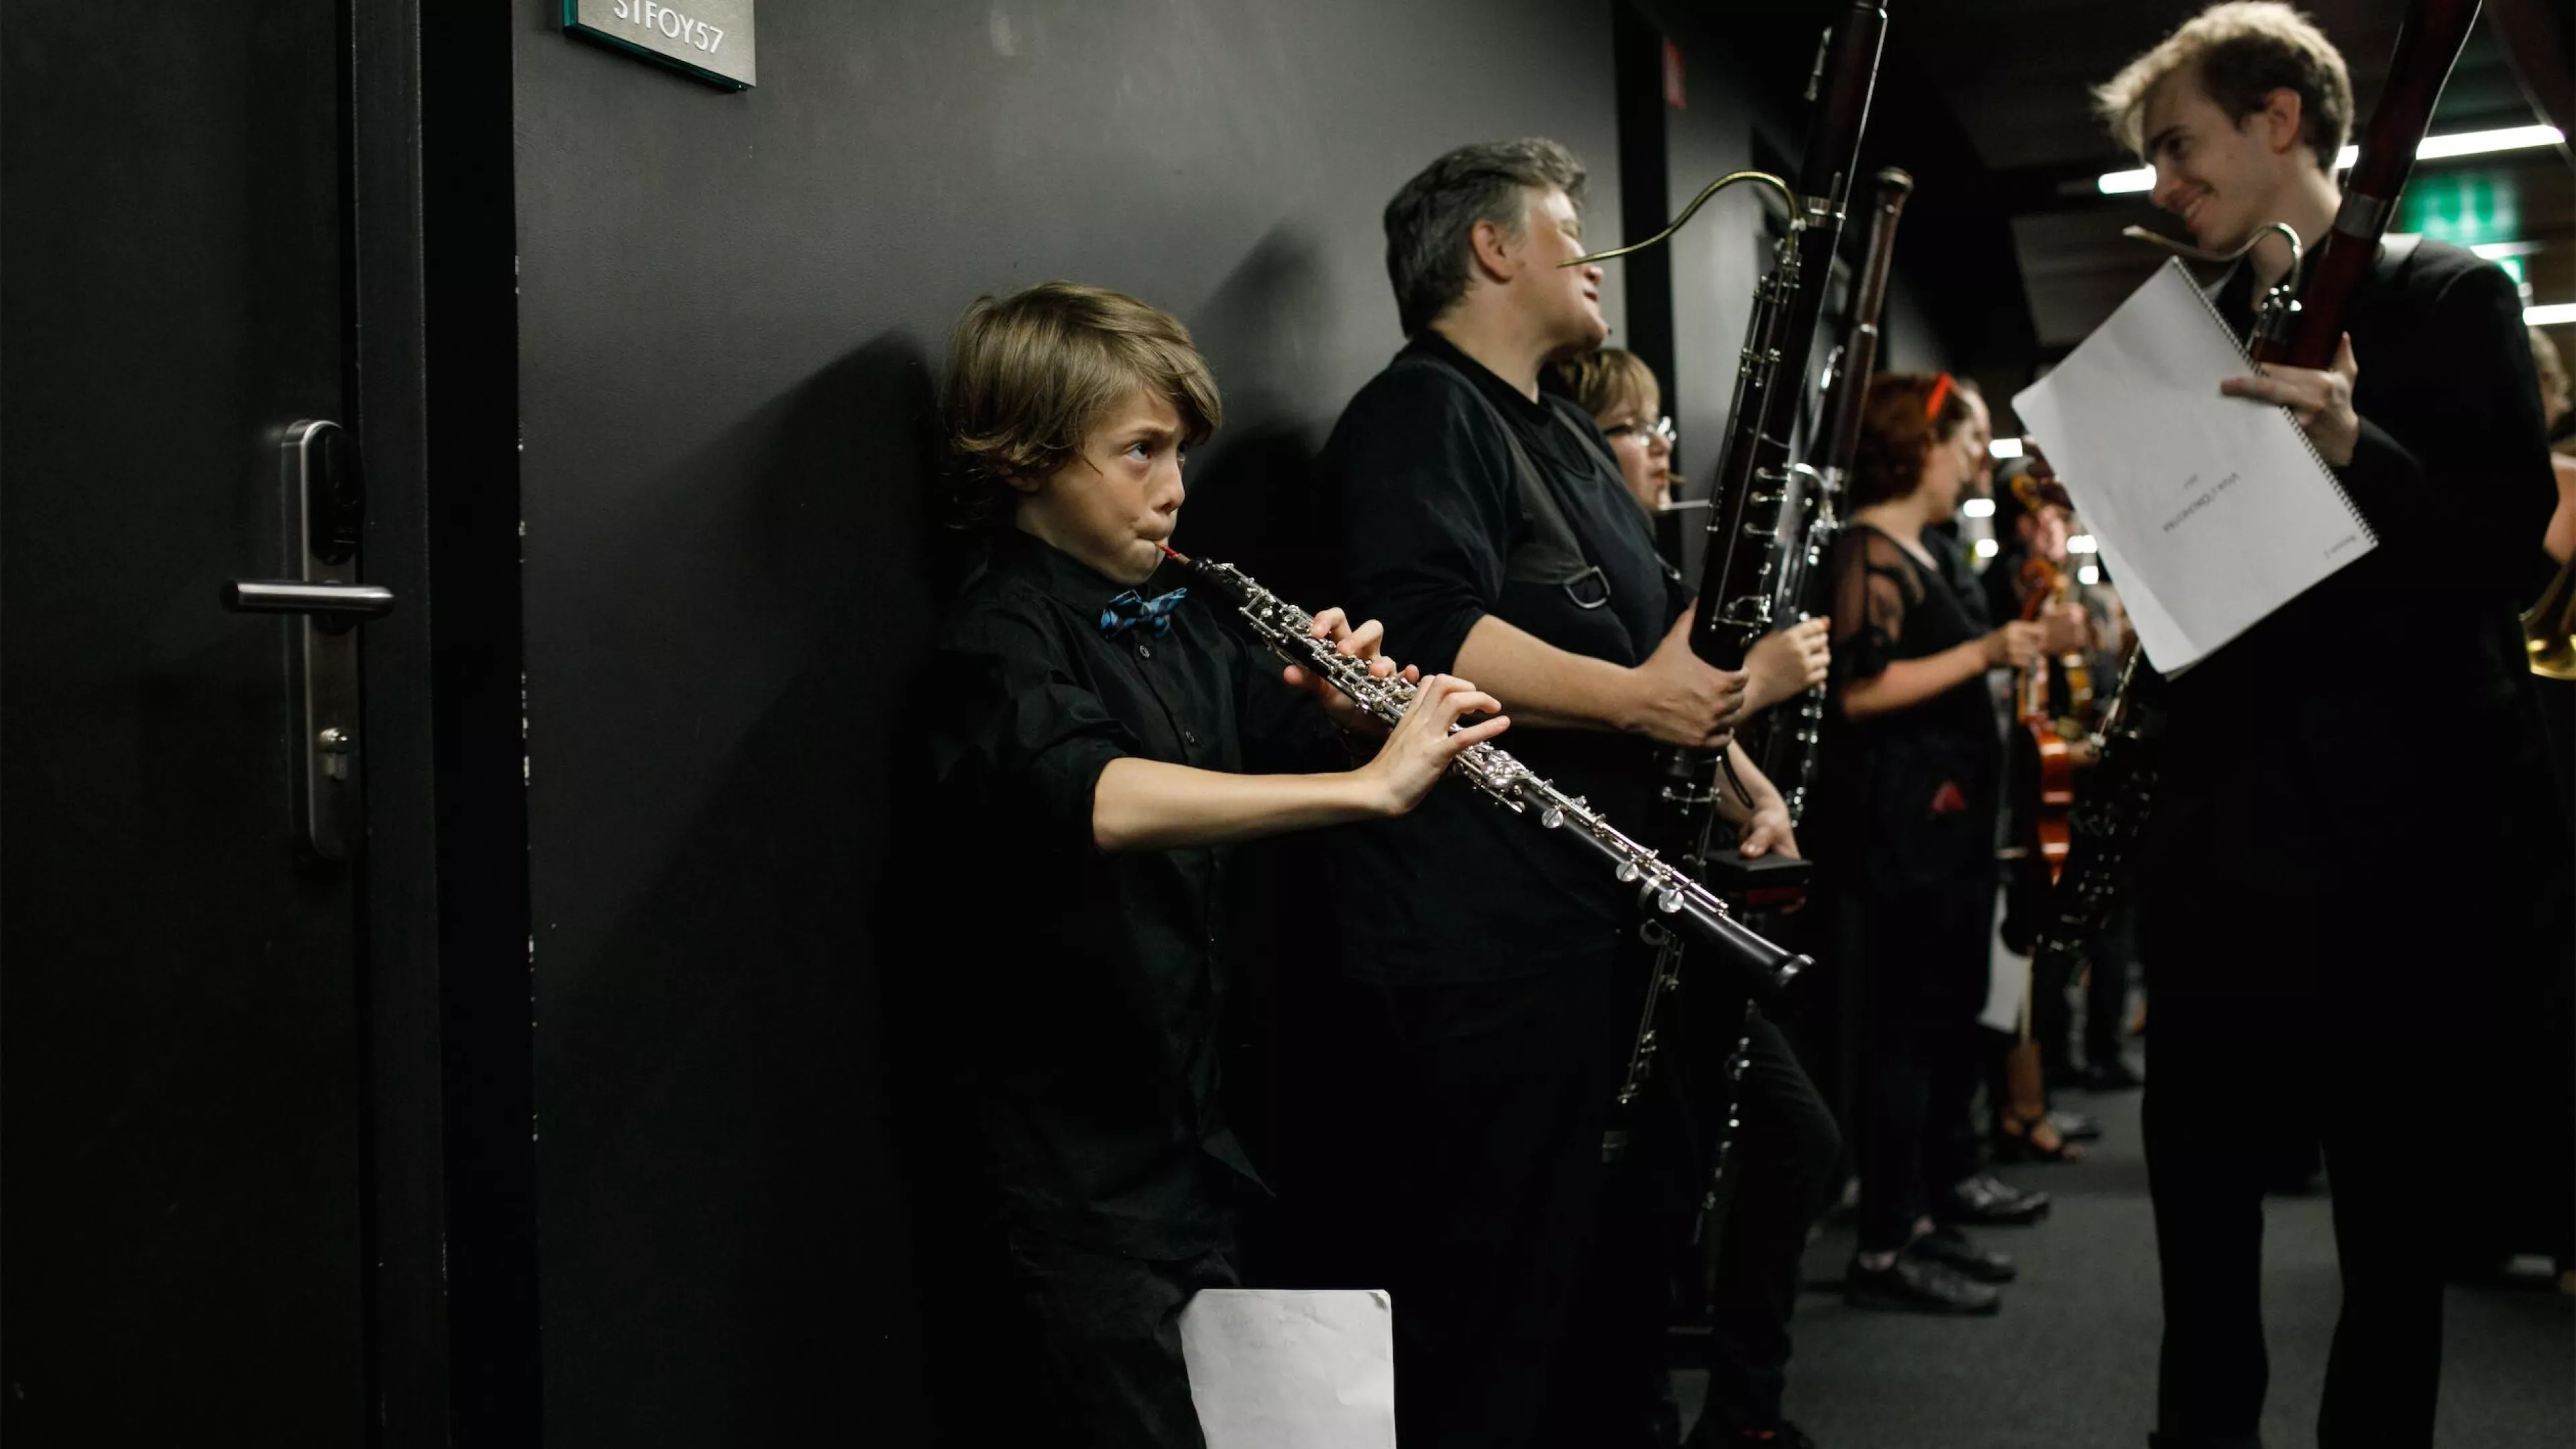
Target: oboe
(1666,893)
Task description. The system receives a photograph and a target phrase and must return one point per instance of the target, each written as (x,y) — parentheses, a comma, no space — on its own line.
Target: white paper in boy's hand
(2211,511)
(1273,1368)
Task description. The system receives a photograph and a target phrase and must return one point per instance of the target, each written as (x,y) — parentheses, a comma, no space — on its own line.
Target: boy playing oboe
(1108,744)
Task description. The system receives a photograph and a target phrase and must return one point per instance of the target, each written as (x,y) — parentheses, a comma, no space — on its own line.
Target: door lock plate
(325,503)
(325,493)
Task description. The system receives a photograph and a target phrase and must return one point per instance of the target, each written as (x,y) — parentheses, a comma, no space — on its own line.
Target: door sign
(710,39)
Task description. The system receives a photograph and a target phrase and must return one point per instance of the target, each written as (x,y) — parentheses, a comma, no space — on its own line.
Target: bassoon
(2295,326)
(1791,736)
(1739,568)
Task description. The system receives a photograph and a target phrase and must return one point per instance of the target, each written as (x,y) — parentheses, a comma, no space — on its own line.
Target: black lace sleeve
(1875,588)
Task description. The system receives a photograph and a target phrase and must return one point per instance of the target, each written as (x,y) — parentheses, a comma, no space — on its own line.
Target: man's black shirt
(1088,985)
(2376,740)
(1422,504)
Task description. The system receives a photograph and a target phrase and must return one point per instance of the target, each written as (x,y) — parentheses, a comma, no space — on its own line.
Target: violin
(2055,747)
(2054,754)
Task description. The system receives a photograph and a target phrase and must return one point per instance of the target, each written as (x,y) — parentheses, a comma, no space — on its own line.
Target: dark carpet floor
(2071,1359)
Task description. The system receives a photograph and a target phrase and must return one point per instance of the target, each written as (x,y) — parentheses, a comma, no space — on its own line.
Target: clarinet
(1667,894)
(2293,328)
(1792,737)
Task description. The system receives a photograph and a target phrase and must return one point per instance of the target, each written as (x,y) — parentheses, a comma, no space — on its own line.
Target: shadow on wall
(720,1063)
(1249,499)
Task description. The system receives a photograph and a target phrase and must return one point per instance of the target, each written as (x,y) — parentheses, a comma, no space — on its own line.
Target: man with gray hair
(1464,1037)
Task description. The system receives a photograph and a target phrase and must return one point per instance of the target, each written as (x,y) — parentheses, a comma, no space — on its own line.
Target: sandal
(2032,1141)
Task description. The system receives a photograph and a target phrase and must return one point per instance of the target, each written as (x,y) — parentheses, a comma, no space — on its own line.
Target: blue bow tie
(1132,610)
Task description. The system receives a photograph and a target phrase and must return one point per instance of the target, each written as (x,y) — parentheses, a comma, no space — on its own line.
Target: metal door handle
(327,604)
(326,495)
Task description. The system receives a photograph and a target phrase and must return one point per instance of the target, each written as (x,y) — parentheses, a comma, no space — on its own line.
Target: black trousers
(2106,987)
(1090,1354)
(1924,957)
(1786,1151)
(2286,1025)
(1443,1142)
(2222,1120)
(1781,1178)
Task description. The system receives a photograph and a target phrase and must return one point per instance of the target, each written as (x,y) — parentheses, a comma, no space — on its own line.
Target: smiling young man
(1094,752)
(1466,1056)
(2336,914)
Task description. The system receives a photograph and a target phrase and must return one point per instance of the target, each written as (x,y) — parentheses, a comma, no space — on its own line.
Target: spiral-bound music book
(2211,511)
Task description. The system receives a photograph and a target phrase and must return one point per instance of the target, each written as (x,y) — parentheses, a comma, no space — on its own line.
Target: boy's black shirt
(1087,986)
(1421,512)
(2376,741)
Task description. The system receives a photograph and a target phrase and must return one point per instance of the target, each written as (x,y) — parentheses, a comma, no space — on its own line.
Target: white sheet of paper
(2211,511)
(1275,1368)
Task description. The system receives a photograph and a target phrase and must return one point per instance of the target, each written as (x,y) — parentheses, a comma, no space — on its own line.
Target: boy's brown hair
(2241,52)
(1031,373)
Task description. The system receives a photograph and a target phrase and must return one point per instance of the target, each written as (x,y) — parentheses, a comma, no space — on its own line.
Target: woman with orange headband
(1906,848)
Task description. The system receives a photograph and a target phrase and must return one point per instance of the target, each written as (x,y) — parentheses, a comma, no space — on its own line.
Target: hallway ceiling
(2014,75)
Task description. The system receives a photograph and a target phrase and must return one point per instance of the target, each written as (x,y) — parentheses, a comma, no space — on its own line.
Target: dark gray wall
(728,308)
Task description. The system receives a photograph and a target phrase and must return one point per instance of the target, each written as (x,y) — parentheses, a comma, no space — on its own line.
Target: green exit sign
(2465,208)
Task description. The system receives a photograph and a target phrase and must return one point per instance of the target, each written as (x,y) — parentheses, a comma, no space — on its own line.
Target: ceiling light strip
(2434,148)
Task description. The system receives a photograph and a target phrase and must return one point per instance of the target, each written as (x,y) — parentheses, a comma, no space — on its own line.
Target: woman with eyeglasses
(1787,1147)
(1620,391)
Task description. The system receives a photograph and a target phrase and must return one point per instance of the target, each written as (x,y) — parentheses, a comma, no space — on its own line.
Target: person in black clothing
(2111,957)
(1787,1146)
(1107,736)
(1906,838)
(1981,1198)
(2331,943)
(1468,1051)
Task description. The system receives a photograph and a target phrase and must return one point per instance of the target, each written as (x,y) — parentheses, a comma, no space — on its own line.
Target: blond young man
(2334,926)
(1096,751)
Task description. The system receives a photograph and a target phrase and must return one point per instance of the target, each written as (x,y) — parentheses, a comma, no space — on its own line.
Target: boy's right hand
(1417,753)
(1679,698)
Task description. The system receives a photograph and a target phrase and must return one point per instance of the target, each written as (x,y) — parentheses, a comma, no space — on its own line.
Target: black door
(183,1067)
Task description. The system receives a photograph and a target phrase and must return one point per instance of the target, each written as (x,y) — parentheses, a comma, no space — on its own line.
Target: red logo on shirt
(1949,799)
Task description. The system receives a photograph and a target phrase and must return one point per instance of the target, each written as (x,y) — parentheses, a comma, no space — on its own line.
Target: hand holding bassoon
(1786,663)
(2320,399)
(1680,699)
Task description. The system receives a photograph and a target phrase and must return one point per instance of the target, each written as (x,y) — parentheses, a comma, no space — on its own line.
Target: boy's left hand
(1360,643)
(2320,400)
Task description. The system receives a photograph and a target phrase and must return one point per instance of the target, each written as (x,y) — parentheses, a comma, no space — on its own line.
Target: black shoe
(1920,1286)
(2111,1076)
(1951,1249)
(2076,1126)
(1988,1201)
